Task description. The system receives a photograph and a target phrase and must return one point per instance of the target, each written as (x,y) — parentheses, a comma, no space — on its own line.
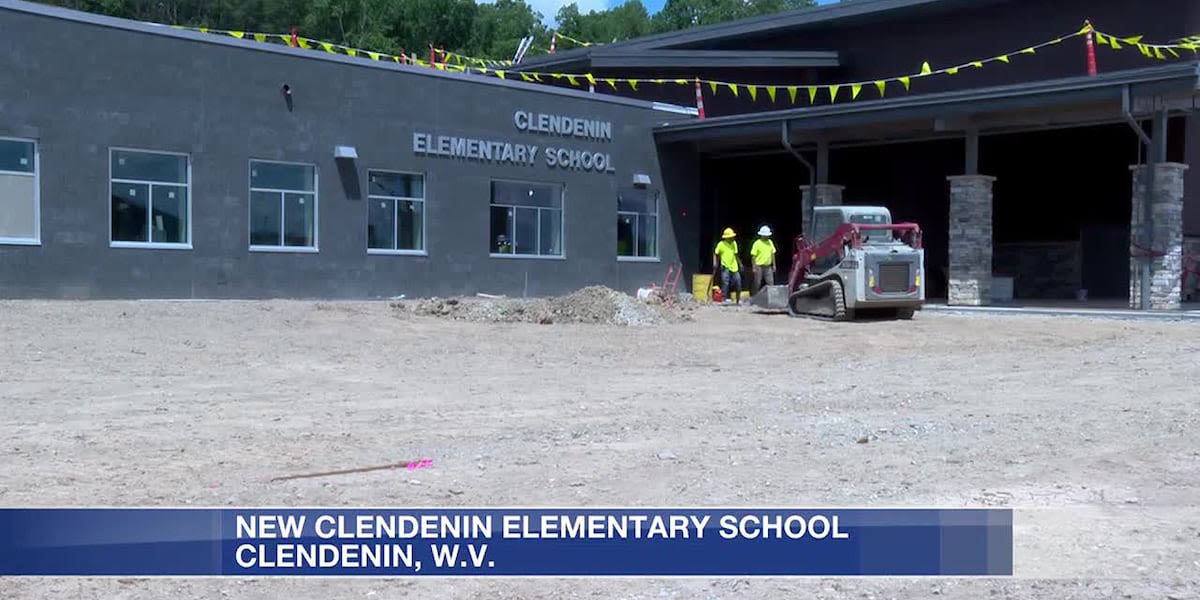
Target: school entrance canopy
(1124,101)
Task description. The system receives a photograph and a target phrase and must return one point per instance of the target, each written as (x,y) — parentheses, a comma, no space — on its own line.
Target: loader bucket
(771,298)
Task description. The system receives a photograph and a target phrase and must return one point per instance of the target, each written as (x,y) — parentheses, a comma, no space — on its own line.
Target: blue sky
(549,8)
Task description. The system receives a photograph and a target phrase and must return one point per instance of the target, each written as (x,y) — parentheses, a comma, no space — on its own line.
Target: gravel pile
(597,304)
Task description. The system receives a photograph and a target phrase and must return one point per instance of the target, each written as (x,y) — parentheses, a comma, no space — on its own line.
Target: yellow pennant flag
(633,83)
(440,66)
(713,85)
(771,92)
(1145,51)
(1056,41)
(374,55)
(500,74)
(1158,53)
(1101,39)
(571,80)
(1002,58)
(612,82)
(907,82)
(855,90)
(526,77)
(237,34)
(1113,42)
(792,91)
(1132,40)
(925,69)
(260,37)
(537,77)
(327,46)
(287,39)
(952,71)
(1029,51)
(977,64)
(733,88)
(1173,52)
(1086,28)
(351,51)
(304,42)
(591,80)
(753,92)
(833,90)
(481,70)
(682,81)
(203,30)
(881,86)
(812,94)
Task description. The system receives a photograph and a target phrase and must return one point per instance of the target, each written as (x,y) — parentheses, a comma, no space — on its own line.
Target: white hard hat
(765,231)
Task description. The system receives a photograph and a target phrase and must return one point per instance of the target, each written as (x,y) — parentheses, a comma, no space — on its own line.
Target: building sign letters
(526,155)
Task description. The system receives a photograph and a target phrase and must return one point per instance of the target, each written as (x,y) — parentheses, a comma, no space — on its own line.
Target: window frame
(150,244)
(36,240)
(657,214)
(562,225)
(316,195)
(424,251)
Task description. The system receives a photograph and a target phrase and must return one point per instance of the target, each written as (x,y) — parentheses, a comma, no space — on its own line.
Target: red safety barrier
(1091,50)
(699,99)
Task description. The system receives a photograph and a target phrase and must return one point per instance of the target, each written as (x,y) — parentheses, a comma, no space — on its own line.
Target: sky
(549,8)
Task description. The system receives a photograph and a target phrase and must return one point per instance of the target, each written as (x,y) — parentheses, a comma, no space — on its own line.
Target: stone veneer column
(970,269)
(1166,237)
(826,195)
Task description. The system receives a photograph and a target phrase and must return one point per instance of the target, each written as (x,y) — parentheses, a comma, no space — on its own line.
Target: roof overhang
(1059,102)
(714,59)
(616,58)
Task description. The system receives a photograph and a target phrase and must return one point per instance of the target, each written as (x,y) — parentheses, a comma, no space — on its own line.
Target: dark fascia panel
(574,60)
(715,59)
(1181,79)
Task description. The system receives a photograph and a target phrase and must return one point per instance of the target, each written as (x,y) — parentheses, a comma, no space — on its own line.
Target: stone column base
(1166,237)
(970,236)
(826,195)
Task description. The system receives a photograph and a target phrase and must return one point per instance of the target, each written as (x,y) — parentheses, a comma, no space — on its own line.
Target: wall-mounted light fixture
(286,91)
(345,152)
(641,180)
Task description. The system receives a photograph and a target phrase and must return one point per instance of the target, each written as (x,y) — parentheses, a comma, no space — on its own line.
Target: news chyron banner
(254,542)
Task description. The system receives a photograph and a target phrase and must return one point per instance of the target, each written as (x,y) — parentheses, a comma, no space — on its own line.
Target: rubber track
(839,307)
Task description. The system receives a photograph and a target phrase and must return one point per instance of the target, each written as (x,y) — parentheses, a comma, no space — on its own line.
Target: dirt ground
(1087,426)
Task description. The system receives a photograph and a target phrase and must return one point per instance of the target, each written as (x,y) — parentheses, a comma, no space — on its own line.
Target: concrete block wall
(823,195)
(1041,270)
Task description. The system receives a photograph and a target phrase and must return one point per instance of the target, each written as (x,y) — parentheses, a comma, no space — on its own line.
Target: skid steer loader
(853,261)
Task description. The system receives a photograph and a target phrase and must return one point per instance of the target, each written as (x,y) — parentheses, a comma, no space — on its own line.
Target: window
(395,212)
(527,219)
(637,224)
(283,206)
(149,193)
(19,210)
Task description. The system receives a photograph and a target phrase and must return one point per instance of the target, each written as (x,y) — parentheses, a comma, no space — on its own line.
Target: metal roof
(63,14)
(822,14)
(1178,80)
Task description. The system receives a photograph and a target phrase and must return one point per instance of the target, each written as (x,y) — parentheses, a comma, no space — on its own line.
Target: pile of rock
(596,304)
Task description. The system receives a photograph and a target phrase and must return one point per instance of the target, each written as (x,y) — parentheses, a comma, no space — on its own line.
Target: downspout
(786,140)
(1147,215)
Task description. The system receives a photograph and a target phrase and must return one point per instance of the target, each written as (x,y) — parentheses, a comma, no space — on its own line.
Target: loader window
(876,237)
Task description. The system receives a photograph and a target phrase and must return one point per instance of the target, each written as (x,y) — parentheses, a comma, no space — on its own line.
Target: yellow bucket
(701,287)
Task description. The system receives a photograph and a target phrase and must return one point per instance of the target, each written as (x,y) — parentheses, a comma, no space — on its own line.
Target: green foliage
(487,30)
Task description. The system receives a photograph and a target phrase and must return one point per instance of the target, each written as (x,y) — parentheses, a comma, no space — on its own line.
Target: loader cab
(826,220)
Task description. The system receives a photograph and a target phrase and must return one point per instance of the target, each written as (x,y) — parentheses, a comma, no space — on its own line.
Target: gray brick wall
(1040,270)
(970,232)
(1166,237)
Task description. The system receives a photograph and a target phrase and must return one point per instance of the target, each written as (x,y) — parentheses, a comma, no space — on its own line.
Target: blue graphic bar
(506,542)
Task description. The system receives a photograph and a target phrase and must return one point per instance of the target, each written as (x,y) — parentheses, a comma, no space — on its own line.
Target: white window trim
(657,236)
(316,246)
(36,240)
(148,244)
(562,225)
(424,250)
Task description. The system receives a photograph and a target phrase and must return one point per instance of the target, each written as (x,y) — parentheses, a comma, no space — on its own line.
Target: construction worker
(727,262)
(763,255)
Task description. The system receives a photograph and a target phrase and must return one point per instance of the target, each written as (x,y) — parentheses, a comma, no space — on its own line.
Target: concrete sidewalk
(1190,312)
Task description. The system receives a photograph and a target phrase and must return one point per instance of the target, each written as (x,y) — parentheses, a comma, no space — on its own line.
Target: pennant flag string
(460,63)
